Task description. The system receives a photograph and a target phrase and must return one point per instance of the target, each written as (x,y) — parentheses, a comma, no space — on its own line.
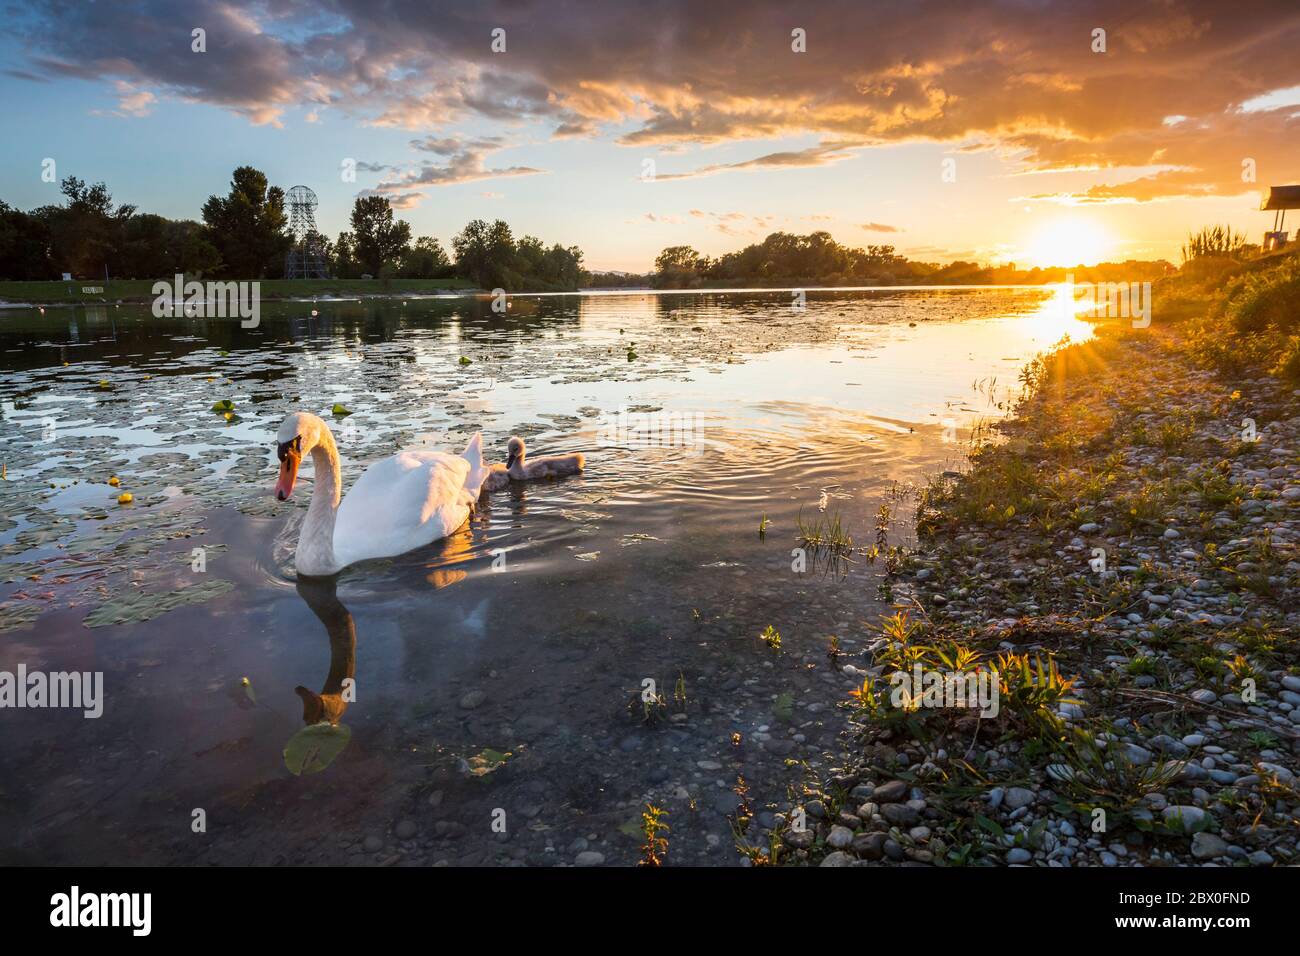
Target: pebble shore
(1167,589)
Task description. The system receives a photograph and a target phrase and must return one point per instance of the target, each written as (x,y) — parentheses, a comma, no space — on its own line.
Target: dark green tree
(426,259)
(378,239)
(87,233)
(247,226)
(24,246)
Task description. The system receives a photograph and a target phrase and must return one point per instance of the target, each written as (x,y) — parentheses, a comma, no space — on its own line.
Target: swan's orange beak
(288,475)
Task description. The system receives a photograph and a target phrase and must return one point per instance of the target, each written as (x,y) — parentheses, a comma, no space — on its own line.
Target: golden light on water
(1059,315)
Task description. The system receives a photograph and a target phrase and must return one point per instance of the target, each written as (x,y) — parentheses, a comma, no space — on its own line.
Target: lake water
(498,674)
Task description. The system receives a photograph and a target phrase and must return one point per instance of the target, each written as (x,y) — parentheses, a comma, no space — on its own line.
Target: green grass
(825,533)
(1253,320)
(141,290)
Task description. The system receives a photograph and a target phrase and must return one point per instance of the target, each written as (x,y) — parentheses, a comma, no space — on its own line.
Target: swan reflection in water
(323,738)
(321,596)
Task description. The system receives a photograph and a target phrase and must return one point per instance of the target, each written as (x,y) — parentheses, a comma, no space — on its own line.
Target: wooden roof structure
(1282,197)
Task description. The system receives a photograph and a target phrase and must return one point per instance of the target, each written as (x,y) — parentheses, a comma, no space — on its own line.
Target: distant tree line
(244,235)
(818,259)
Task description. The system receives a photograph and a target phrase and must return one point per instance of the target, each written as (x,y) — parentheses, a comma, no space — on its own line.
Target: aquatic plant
(487,761)
(784,707)
(826,533)
(758,856)
(771,637)
(655,847)
(651,708)
(743,812)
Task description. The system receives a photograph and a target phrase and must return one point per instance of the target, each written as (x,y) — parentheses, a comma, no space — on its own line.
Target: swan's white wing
(402,502)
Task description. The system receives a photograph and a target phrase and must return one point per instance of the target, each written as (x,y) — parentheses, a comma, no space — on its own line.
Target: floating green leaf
(340,410)
(223,406)
(482,764)
(784,708)
(314,748)
(464,360)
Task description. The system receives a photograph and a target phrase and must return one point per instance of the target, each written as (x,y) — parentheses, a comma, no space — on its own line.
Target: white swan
(398,504)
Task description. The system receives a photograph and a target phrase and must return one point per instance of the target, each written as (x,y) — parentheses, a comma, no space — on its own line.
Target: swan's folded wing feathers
(402,502)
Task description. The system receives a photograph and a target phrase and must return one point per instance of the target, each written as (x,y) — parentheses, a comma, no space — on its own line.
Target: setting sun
(1069,242)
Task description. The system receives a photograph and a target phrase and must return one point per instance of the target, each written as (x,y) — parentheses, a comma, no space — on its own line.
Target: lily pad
(134,607)
(314,748)
(14,614)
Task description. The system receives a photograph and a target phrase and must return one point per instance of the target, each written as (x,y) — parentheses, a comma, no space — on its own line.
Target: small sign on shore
(92,289)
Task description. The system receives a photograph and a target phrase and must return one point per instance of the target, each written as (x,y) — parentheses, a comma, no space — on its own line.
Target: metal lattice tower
(306,257)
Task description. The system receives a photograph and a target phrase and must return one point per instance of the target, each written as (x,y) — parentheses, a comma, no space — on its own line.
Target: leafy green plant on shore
(1033,689)
(1216,489)
(1261,312)
(1146,505)
(1090,776)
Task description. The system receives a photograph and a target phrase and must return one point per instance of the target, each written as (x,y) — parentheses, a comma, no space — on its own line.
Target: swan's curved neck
(315,555)
(518,470)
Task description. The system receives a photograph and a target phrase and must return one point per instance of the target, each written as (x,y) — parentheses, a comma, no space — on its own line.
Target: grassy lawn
(141,290)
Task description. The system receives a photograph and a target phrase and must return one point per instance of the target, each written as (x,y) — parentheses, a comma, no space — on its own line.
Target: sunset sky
(1058,150)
